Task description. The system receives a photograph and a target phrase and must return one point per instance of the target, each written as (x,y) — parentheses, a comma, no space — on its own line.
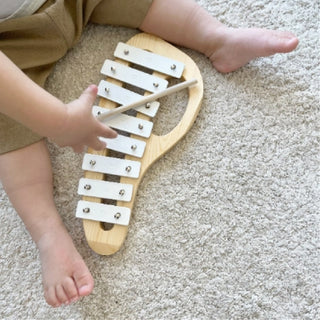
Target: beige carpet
(226,224)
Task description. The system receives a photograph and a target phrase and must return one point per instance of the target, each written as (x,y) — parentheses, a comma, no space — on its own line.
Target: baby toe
(51,298)
(84,281)
(70,289)
(61,294)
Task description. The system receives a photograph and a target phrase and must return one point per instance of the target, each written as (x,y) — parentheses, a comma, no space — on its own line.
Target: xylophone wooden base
(107,242)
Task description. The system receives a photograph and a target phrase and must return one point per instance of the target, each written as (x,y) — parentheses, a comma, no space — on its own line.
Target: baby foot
(236,47)
(65,276)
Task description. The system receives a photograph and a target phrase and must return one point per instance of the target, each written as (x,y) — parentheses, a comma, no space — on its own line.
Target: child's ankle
(49,232)
(214,40)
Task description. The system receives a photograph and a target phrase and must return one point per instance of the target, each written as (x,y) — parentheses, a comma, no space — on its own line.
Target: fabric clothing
(62,22)
(10,9)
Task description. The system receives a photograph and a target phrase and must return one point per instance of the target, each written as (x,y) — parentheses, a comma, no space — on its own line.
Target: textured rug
(225,225)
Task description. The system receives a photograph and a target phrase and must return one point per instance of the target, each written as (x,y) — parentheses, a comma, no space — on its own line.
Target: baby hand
(81,128)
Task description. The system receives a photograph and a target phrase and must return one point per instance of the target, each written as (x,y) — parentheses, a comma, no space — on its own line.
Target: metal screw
(92,162)
(156,85)
(128,168)
(117,215)
(173,67)
(87,187)
(148,105)
(126,51)
(86,210)
(134,147)
(122,192)
(140,126)
(113,69)
(107,90)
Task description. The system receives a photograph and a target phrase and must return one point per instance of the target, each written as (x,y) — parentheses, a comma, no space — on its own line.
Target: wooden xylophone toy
(106,204)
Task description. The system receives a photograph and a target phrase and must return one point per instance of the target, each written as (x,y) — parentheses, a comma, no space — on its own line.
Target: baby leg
(185,23)
(27,178)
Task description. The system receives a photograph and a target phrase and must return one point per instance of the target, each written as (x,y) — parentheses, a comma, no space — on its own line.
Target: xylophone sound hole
(106,226)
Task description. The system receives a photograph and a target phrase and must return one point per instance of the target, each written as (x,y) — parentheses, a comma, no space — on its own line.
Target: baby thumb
(89,95)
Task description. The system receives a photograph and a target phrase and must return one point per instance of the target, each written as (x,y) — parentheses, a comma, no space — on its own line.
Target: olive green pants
(35,43)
